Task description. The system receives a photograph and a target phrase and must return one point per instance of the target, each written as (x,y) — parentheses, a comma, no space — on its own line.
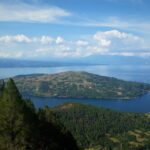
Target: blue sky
(45,29)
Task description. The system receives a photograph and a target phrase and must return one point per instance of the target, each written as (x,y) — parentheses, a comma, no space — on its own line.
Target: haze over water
(125,72)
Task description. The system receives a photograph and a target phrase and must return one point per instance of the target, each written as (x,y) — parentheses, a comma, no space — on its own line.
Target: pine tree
(10,92)
(23,128)
(11,118)
(1,87)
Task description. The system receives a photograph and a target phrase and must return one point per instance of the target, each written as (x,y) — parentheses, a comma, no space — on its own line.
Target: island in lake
(79,85)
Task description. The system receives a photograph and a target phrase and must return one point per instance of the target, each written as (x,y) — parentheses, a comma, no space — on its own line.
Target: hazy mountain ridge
(79,85)
(91,60)
(6,63)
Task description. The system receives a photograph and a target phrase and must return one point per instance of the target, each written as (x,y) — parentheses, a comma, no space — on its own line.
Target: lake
(139,104)
(126,72)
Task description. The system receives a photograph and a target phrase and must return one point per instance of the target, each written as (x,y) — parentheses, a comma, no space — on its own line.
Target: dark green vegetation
(102,129)
(1,86)
(24,128)
(79,85)
(70,126)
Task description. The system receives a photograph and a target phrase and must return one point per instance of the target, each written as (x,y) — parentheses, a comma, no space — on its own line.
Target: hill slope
(79,85)
(22,127)
(103,129)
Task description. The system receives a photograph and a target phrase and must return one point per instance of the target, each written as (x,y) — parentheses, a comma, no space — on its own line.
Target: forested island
(70,126)
(79,85)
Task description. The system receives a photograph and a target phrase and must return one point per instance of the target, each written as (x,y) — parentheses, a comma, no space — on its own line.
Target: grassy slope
(79,85)
(100,128)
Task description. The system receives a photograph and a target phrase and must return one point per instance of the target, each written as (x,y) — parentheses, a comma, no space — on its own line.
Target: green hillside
(22,127)
(70,126)
(79,85)
(102,129)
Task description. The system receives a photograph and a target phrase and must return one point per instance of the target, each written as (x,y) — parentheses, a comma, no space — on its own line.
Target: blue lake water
(139,104)
(130,73)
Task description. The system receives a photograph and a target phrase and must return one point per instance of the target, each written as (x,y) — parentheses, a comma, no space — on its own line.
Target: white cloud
(22,12)
(81,43)
(111,42)
(46,39)
(16,38)
(9,54)
(21,38)
(33,12)
(114,22)
(102,40)
(59,40)
(114,37)
(142,54)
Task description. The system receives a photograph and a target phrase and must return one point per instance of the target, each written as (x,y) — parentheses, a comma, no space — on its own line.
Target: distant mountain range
(91,60)
(36,63)
(116,60)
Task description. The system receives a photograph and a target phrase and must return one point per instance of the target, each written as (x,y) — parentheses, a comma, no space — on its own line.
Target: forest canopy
(70,126)
(22,127)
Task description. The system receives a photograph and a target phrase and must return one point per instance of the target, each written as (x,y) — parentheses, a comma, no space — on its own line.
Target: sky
(64,29)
